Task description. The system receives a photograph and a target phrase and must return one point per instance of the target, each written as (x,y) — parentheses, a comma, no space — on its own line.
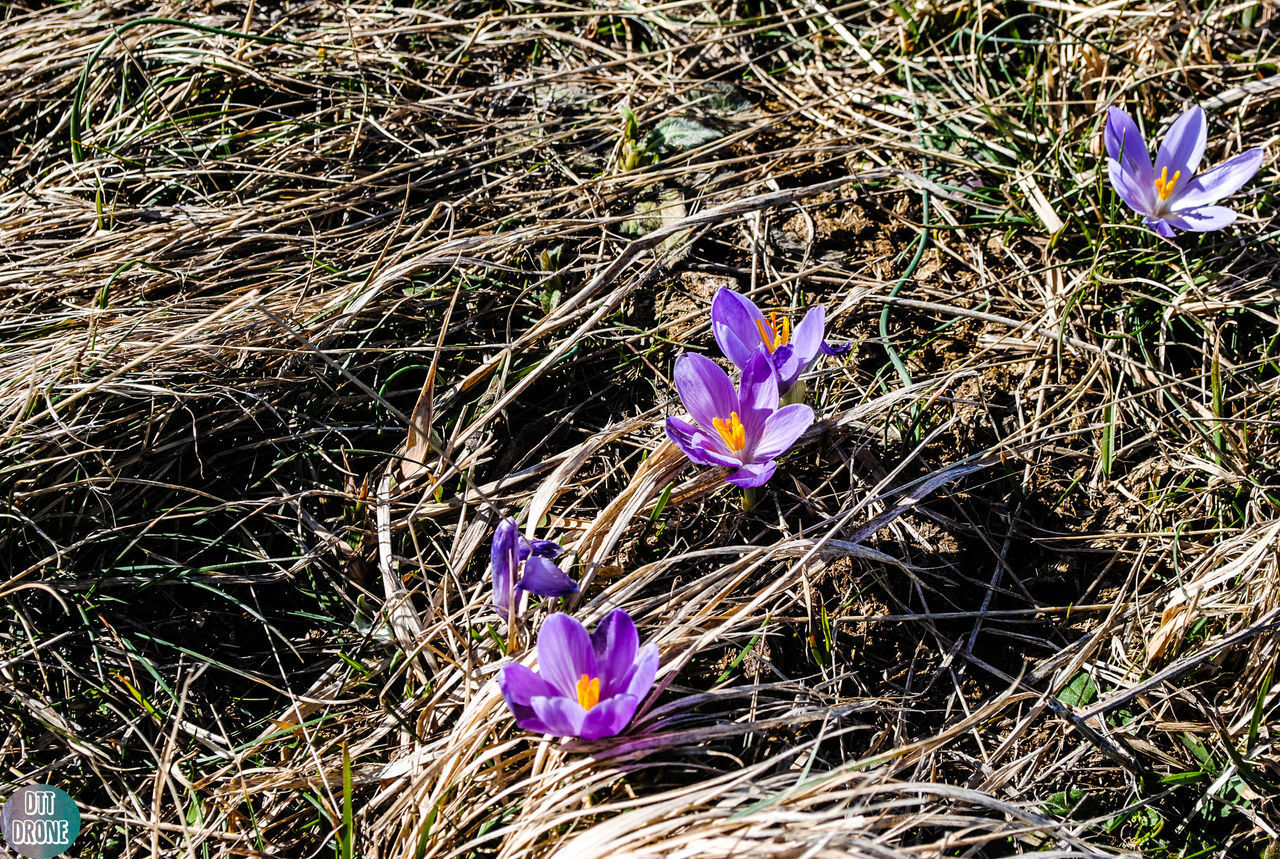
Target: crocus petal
(1183,146)
(615,636)
(615,642)
(545,579)
(1126,146)
(781,430)
(699,446)
(1203,219)
(733,323)
(1222,181)
(519,687)
(753,474)
(787,366)
(503,559)
(502,600)
(531,722)
(757,393)
(806,339)
(608,718)
(546,548)
(1160,225)
(1137,196)
(562,716)
(645,670)
(565,654)
(704,389)
(639,677)
(834,351)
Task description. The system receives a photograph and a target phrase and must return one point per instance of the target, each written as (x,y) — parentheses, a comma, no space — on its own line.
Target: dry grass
(299,299)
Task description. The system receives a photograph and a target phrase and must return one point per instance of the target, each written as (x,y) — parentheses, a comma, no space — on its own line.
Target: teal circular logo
(39,821)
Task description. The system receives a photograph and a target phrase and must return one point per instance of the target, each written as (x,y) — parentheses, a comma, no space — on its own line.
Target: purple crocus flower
(590,685)
(511,555)
(740,329)
(744,429)
(1171,195)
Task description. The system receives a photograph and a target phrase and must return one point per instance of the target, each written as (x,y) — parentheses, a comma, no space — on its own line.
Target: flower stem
(750,494)
(794,394)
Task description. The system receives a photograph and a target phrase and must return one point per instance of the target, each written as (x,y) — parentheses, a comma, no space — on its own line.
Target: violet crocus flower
(512,555)
(590,685)
(1171,195)
(743,429)
(740,328)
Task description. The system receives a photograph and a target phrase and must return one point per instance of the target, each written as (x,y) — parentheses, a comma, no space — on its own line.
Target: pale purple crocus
(740,328)
(589,686)
(743,429)
(1171,195)
(519,565)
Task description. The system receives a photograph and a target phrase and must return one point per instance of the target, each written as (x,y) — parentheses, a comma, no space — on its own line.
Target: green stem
(922,241)
(794,394)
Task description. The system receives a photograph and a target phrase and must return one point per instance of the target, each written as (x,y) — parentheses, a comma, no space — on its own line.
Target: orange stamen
(588,691)
(1165,185)
(732,431)
(772,334)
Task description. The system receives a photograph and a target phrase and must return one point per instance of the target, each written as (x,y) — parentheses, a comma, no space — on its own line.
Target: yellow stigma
(772,334)
(1165,185)
(732,431)
(588,691)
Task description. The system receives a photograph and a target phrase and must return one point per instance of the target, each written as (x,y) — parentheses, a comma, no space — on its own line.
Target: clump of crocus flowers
(1170,195)
(589,686)
(521,565)
(745,430)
